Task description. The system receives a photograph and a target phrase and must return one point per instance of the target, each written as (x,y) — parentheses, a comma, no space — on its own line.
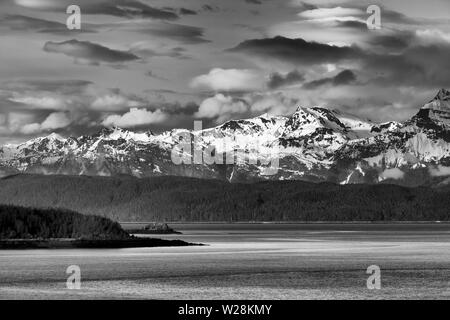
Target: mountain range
(313,144)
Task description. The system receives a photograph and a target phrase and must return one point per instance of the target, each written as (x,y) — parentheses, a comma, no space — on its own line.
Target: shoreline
(15,244)
(124,223)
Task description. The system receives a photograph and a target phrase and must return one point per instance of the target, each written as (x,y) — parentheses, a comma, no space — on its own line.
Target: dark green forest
(166,199)
(27,223)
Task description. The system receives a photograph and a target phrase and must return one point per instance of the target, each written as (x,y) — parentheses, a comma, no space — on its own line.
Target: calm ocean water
(246,261)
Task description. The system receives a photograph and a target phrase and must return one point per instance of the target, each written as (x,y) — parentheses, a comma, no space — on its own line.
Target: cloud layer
(229,80)
(165,63)
(85,51)
(135,118)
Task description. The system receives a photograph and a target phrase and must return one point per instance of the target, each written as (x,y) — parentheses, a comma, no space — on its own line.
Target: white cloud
(318,30)
(439,171)
(230,80)
(55,120)
(326,13)
(274,104)
(135,117)
(394,173)
(301,3)
(223,107)
(432,36)
(31,128)
(40,102)
(16,120)
(114,102)
(220,106)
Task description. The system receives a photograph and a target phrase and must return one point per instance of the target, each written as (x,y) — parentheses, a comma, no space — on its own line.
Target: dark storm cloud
(419,65)
(185,11)
(176,108)
(397,17)
(88,51)
(277,80)
(395,70)
(209,8)
(307,6)
(25,23)
(127,8)
(118,8)
(255,29)
(176,53)
(253,1)
(297,51)
(413,63)
(55,86)
(423,65)
(352,24)
(178,32)
(392,42)
(151,74)
(343,78)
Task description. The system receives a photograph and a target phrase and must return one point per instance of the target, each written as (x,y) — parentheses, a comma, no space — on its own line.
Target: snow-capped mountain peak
(438,109)
(443,95)
(119,133)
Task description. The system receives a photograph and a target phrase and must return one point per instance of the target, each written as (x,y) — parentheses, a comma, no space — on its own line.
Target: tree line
(167,199)
(31,223)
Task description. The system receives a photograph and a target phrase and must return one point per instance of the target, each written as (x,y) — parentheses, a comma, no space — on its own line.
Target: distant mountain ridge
(314,144)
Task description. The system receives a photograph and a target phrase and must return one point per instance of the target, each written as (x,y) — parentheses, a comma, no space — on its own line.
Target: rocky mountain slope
(314,144)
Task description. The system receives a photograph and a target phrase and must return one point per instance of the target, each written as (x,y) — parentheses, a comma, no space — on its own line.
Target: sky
(158,65)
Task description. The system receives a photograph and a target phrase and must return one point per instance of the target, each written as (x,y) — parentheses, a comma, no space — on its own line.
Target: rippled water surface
(246,261)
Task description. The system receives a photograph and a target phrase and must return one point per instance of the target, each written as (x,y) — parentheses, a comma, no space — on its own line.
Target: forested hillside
(186,199)
(27,223)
